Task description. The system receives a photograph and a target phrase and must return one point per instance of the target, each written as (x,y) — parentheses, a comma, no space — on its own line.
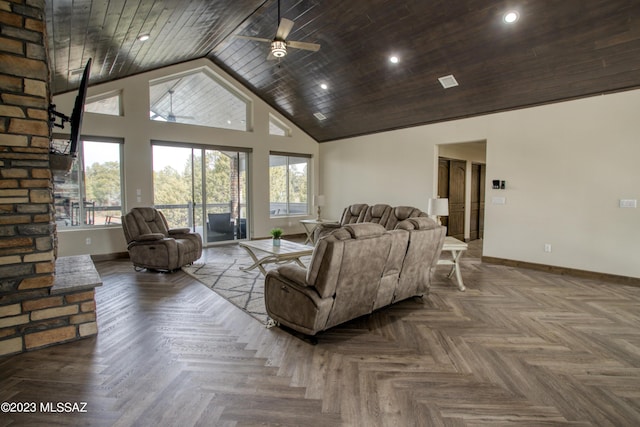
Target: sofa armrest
(149,237)
(173,231)
(294,273)
(323,229)
(295,305)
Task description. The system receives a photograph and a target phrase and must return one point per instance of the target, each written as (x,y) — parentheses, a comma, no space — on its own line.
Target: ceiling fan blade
(284,28)
(303,45)
(258,39)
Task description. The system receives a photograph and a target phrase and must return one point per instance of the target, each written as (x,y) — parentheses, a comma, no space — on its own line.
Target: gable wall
(138,131)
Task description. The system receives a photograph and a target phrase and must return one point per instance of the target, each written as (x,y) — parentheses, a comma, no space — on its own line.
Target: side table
(456,247)
(310,226)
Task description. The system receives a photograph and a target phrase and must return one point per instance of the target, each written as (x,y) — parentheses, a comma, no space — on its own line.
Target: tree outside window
(288,185)
(91,193)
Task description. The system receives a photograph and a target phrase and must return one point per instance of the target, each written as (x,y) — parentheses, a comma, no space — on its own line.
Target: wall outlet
(87,240)
(498,200)
(547,247)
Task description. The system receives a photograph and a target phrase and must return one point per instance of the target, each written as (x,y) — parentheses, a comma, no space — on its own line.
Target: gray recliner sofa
(153,245)
(353,271)
(387,216)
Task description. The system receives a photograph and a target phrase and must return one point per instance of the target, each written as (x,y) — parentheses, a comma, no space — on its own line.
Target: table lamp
(437,208)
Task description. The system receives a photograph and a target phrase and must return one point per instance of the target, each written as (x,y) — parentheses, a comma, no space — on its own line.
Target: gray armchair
(155,246)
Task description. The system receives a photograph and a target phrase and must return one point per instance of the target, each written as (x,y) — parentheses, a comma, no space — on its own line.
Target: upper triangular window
(276,127)
(110,104)
(198,98)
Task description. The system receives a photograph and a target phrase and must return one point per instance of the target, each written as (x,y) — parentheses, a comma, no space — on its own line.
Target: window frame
(82,190)
(288,155)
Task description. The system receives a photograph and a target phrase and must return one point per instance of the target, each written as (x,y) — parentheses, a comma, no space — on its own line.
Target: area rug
(244,289)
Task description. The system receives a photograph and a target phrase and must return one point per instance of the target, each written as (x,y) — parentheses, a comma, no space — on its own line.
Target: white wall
(566,166)
(138,131)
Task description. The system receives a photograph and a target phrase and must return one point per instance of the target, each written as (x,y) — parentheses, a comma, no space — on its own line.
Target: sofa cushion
(393,267)
(326,254)
(378,214)
(422,253)
(144,220)
(353,214)
(401,213)
(359,272)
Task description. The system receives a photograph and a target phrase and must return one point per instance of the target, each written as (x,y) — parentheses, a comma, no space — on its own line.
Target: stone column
(31,316)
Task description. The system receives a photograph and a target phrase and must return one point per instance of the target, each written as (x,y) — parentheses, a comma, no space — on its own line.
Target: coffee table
(264,252)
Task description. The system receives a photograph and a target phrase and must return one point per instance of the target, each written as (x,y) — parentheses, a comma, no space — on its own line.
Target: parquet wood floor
(519,347)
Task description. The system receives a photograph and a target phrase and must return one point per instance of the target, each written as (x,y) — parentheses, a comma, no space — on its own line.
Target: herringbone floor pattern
(519,347)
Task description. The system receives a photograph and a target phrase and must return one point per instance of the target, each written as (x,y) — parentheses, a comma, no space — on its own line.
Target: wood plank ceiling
(557,50)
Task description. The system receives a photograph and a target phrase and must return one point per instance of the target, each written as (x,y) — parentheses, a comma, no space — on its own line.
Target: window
(288,184)
(110,104)
(91,193)
(276,127)
(198,98)
(203,188)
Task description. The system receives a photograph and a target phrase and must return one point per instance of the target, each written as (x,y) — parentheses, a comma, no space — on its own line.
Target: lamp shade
(438,207)
(318,200)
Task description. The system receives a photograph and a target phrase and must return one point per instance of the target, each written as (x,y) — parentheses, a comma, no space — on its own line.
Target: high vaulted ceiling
(557,50)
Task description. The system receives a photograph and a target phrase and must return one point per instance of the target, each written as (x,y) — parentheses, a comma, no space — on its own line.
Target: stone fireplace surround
(43,300)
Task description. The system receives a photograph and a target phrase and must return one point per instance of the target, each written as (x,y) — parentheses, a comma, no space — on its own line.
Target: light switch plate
(628,203)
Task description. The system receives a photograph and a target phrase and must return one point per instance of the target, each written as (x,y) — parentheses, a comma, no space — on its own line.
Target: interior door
(457,180)
(477,201)
(451,184)
(443,186)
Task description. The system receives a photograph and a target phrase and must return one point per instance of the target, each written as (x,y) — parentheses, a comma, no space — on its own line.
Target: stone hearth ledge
(75,273)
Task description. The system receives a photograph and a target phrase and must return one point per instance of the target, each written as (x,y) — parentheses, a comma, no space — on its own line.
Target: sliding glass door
(225,184)
(203,188)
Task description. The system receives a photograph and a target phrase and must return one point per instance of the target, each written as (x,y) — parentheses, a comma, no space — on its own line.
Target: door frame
(471,152)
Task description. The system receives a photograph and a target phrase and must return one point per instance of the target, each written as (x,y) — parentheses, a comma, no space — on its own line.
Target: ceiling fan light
(511,17)
(278,48)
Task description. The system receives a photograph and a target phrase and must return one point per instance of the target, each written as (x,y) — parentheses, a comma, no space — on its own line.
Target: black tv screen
(78,110)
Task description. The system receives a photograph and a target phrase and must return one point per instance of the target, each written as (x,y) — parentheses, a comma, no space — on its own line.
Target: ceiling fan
(171,117)
(279,44)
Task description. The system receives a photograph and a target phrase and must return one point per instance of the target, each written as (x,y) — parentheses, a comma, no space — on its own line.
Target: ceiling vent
(320,116)
(448,81)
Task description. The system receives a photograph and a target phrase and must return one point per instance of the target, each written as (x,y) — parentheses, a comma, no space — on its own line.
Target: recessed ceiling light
(324,86)
(394,59)
(144,37)
(511,17)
